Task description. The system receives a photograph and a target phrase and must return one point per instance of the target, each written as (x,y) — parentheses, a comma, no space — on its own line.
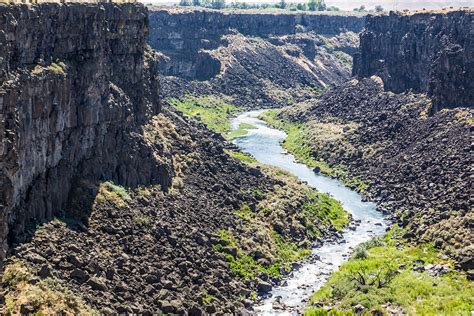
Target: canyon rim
(268,161)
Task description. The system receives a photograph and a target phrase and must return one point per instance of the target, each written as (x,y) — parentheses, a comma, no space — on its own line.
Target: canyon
(124,188)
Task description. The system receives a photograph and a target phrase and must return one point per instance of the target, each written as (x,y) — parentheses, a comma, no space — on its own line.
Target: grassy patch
(142,220)
(242,156)
(208,298)
(298,143)
(288,251)
(384,274)
(322,208)
(212,111)
(246,266)
(115,194)
(45,297)
(246,213)
(241,131)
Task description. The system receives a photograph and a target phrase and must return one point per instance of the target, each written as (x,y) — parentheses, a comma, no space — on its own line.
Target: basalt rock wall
(426,52)
(76,83)
(185,36)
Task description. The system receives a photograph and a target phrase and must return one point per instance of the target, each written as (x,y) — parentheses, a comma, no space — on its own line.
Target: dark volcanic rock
(417,166)
(254,60)
(74,84)
(425,52)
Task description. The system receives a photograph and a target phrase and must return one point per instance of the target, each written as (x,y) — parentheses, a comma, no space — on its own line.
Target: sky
(351,4)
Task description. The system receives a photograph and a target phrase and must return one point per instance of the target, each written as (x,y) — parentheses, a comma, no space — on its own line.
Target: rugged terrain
(416,166)
(111,204)
(70,100)
(252,60)
(429,52)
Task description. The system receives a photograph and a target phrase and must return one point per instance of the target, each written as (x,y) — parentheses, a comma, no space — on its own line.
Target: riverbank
(391,275)
(414,167)
(264,143)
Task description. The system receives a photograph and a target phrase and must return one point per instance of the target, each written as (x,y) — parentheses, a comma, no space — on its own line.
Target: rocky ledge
(251,59)
(426,52)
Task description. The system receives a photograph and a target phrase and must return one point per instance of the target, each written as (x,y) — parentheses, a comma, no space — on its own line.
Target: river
(264,144)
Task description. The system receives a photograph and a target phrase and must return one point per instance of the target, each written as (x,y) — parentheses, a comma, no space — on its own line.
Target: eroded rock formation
(283,57)
(425,52)
(75,83)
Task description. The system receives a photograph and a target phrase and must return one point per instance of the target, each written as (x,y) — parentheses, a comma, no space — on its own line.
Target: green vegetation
(242,156)
(241,131)
(385,274)
(311,5)
(213,112)
(298,143)
(46,297)
(288,251)
(115,194)
(246,266)
(259,246)
(208,298)
(323,209)
(142,220)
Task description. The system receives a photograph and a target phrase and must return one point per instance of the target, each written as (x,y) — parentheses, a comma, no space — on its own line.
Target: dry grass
(111,193)
(46,297)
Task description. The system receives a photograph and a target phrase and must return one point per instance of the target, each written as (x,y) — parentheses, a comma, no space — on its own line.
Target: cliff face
(429,52)
(283,57)
(75,85)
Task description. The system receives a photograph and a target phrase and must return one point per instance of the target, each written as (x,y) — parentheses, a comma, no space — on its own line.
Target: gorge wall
(76,82)
(284,57)
(426,52)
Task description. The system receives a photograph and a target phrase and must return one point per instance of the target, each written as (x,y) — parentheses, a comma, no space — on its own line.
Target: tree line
(311,5)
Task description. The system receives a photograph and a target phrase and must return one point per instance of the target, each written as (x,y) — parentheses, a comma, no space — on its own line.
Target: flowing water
(264,144)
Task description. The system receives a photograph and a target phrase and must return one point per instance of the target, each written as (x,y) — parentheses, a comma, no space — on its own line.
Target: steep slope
(415,166)
(75,83)
(427,52)
(252,59)
(111,204)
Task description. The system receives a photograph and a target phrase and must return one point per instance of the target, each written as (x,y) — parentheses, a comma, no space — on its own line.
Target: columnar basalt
(426,52)
(75,82)
(185,35)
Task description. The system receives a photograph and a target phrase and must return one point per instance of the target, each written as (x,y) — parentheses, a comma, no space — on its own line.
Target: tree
(197,3)
(317,5)
(302,6)
(184,3)
(282,4)
(379,8)
(218,4)
(360,9)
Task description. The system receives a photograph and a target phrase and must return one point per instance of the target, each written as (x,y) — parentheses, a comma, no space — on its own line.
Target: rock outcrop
(284,57)
(75,82)
(186,35)
(416,166)
(431,53)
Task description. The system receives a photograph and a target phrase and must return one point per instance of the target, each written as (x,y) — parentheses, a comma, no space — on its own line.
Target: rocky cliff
(75,83)
(187,34)
(425,52)
(285,57)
